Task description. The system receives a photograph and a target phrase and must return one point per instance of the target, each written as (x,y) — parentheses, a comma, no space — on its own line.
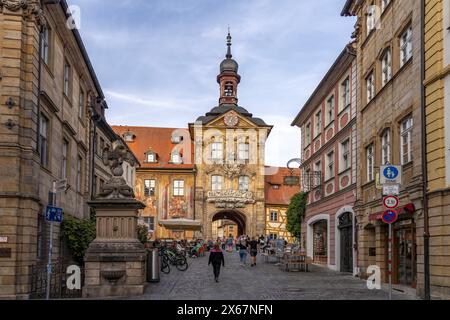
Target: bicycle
(165,266)
(176,259)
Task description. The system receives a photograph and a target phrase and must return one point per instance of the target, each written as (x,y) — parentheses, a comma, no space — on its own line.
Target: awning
(407,209)
(181,224)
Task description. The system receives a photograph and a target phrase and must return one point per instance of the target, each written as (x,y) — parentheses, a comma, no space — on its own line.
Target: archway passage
(234,216)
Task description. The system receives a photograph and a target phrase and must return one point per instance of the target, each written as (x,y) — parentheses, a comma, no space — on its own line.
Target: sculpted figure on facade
(117,187)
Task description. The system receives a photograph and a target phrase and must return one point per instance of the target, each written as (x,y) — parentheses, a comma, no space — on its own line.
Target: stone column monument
(115,261)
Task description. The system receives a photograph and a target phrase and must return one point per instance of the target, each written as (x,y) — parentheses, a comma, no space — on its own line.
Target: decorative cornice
(32,9)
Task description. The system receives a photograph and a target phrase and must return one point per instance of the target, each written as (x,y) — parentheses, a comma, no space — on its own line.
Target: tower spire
(229,38)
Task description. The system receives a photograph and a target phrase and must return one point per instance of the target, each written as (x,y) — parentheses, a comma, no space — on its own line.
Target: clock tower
(228,78)
(229,155)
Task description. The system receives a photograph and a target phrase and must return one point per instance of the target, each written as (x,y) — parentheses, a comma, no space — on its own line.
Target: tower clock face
(231,120)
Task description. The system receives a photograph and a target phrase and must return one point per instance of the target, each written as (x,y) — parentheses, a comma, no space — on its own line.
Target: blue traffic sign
(53,214)
(390,216)
(391,172)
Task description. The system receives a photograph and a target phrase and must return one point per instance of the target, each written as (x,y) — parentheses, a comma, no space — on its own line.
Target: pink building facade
(329,163)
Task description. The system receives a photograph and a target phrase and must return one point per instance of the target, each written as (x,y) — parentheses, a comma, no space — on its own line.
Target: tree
(296,213)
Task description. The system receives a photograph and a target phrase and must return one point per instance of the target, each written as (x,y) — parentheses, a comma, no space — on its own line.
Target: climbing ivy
(296,213)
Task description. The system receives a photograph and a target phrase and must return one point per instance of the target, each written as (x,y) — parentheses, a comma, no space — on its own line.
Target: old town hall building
(214,170)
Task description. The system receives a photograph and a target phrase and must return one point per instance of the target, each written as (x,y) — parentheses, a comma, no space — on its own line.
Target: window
(370,84)
(371,18)
(330,165)
(102,147)
(345,94)
(178,188)
(318,166)
(244,183)
(217,151)
(330,109)
(176,139)
(41,237)
(94,185)
(384,4)
(386,147)
(151,157)
(43,140)
(79,166)
(67,74)
(64,167)
(216,183)
(318,129)
(406,46)
(149,188)
(229,89)
(406,140)
(370,163)
(345,155)
(176,158)
(45,45)
(81,104)
(386,67)
(243,151)
(128,136)
(308,134)
(273,216)
(150,222)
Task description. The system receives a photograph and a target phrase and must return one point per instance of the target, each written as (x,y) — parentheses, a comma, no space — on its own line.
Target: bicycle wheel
(165,267)
(182,264)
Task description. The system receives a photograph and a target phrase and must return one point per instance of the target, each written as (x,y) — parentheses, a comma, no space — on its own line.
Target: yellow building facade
(437,101)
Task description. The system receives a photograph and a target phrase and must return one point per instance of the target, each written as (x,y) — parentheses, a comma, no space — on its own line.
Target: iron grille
(58,281)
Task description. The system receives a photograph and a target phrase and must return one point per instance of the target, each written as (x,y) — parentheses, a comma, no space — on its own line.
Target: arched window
(229,89)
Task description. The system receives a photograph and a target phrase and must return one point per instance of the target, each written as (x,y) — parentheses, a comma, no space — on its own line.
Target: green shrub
(78,234)
(142,233)
(296,214)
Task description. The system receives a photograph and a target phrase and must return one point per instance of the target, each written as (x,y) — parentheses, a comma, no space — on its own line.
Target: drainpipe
(94,119)
(38,127)
(195,187)
(426,234)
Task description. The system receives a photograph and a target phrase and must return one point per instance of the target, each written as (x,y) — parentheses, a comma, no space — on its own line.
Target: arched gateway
(234,216)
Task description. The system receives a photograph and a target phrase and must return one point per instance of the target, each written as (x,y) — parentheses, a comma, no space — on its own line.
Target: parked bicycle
(174,258)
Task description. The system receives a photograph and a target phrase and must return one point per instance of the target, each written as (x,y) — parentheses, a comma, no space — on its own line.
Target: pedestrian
(217,259)
(242,246)
(253,250)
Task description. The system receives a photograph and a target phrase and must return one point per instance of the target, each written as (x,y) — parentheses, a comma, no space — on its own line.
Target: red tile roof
(282,196)
(159,140)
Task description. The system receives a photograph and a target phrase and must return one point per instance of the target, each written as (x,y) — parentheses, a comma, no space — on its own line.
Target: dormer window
(176,158)
(128,136)
(229,89)
(177,139)
(151,157)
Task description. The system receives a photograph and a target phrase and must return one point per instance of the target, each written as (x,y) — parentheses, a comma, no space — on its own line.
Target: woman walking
(217,259)
(242,246)
(253,250)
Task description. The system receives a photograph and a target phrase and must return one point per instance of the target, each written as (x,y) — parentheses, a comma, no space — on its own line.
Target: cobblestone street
(263,282)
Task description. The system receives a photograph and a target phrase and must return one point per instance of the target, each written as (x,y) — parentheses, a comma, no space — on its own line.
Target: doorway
(346,242)
(405,258)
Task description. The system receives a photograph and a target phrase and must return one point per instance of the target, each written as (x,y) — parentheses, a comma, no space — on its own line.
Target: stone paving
(263,282)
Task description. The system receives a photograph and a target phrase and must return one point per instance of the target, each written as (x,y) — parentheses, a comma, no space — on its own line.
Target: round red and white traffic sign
(390,202)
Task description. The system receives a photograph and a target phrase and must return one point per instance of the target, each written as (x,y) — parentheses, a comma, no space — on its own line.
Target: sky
(157,60)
